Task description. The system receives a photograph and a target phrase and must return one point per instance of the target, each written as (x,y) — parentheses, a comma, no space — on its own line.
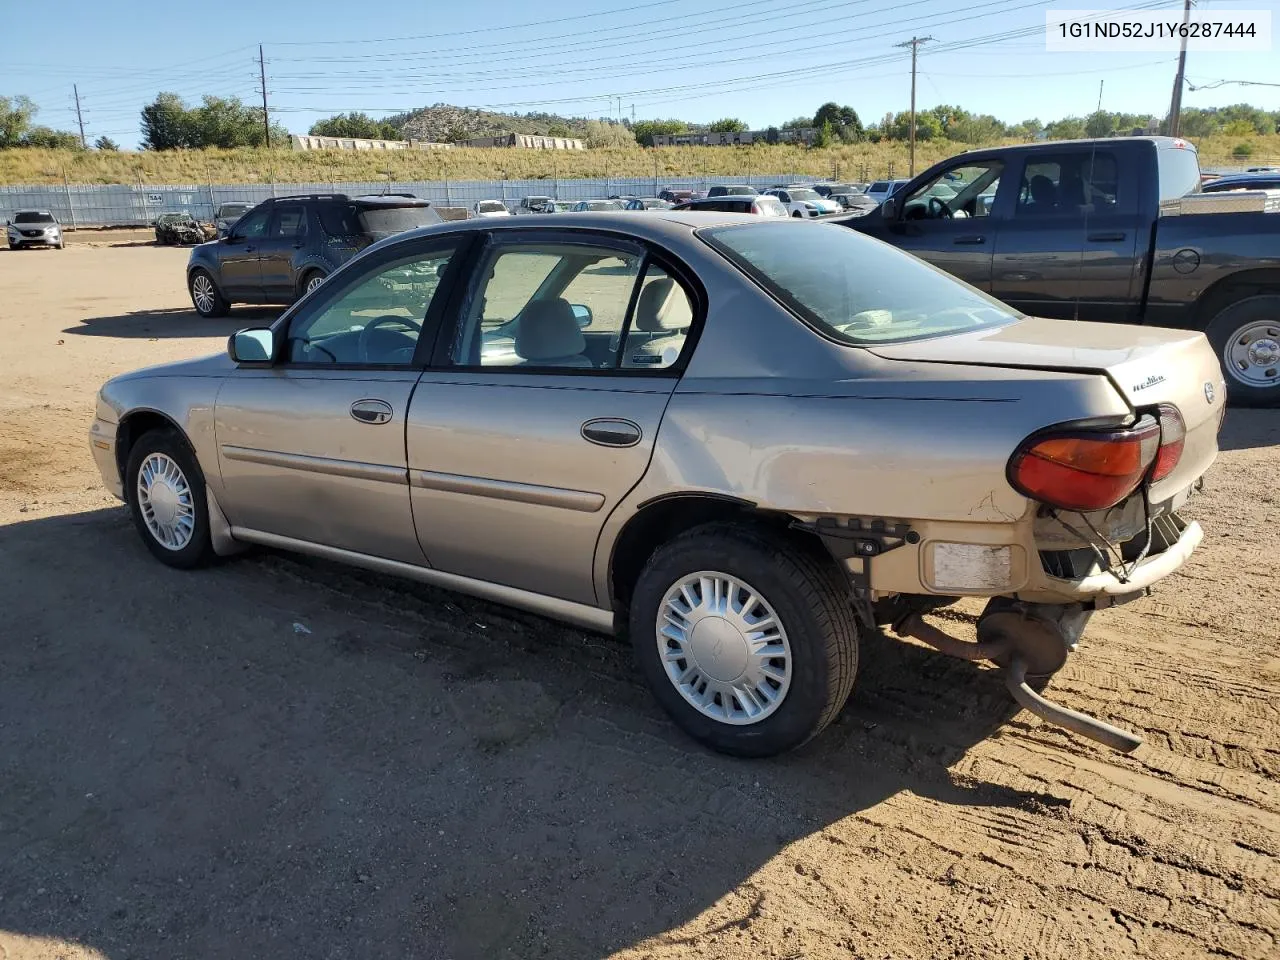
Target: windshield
(491,206)
(739,191)
(32,218)
(229,211)
(803,195)
(852,288)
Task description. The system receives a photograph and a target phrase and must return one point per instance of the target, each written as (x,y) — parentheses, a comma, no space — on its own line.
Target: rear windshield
(492,206)
(381,222)
(32,218)
(852,288)
(1179,170)
(880,186)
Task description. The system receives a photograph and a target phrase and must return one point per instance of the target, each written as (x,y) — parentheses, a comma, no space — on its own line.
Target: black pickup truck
(1113,230)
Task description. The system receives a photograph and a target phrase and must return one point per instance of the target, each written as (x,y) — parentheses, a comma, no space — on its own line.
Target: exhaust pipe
(1023,639)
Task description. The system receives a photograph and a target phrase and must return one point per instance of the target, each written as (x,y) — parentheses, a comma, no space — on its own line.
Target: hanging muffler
(1029,641)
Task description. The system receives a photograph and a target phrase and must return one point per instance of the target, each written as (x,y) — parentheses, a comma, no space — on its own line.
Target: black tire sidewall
(777,579)
(200,550)
(1220,332)
(306,278)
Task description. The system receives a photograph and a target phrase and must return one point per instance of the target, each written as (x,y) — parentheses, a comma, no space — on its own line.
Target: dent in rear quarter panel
(189,401)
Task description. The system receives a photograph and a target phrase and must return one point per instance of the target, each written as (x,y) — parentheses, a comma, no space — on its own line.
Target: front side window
(851,288)
(965,191)
(375,321)
(1068,185)
(549,305)
(253,225)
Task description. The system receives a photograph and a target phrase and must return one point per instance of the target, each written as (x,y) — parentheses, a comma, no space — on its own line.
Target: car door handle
(974,240)
(1106,237)
(611,432)
(371,411)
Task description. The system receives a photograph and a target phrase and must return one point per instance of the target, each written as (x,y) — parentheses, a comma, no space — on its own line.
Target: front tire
(167,500)
(205,295)
(1246,336)
(748,639)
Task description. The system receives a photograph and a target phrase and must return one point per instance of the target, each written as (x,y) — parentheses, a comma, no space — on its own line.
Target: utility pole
(79,116)
(1101,83)
(262,74)
(914,44)
(1175,106)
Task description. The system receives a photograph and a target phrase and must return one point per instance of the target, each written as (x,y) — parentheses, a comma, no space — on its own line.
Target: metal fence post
(71,207)
(448,202)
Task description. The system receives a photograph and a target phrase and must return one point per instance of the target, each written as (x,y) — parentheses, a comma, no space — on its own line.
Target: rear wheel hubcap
(202,292)
(1253,354)
(723,648)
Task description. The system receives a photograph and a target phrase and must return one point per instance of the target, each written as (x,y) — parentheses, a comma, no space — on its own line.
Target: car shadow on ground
(277,756)
(174,322)
(1246,429)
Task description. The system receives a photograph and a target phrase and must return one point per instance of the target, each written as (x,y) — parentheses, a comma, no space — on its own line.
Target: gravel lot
(279,757)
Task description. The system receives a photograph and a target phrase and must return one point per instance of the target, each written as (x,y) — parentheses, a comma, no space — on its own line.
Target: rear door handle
(371,411)
(974,240)
(611,432)
(1106,237)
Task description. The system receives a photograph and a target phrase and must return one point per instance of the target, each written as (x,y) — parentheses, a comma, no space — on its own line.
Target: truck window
(1068,185)
(963,191)
(1179,170)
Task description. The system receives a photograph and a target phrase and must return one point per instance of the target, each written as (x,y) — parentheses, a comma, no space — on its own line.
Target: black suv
(285,246)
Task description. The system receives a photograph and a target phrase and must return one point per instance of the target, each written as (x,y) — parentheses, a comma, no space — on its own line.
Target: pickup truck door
(952,221)
(1068,247)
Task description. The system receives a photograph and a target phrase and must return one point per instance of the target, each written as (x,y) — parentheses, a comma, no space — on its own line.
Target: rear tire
(205,295)
(167,500)
(715,593)
(1246,336)
(797,213)
(309,281)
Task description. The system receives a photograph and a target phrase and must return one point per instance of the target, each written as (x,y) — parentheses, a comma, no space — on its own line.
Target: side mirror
(889,209)
(255,345)
(582,313)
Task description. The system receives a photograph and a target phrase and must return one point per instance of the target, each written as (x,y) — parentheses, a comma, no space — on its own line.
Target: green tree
(1027,129)
(164,123)
(646,130)
(1068,128)
(106,144)
(559,130)
(1100,124)
(798,123)
(976,128)
(51,139)
(16,114)
(928,126)
(355,124)
(772,135)
(603,133)
(727,125)
(826,135)
(845,123)
(1242,151)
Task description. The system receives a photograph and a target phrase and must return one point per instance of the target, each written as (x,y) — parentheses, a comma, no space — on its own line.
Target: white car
(34,228)
(490,208)
(804,201)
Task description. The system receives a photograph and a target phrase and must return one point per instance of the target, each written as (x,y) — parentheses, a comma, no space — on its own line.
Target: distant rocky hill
(444,123)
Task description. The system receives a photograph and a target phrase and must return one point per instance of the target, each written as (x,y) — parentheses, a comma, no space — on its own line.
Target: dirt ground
(279,757)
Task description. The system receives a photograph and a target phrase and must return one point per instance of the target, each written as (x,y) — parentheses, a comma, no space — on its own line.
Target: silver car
(34,228)
(747,441)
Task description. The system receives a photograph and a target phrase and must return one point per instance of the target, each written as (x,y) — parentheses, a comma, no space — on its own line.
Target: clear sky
(764,61)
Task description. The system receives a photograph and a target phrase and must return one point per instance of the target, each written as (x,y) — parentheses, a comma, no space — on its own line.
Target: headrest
(662,306)
(548,330)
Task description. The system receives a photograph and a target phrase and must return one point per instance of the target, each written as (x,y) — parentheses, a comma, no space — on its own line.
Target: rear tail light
(1085,470)
(1173,432)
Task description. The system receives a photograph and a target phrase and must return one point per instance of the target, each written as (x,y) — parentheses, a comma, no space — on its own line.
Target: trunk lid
(1146,365)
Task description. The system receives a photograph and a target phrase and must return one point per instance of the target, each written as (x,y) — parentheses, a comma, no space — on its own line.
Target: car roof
(672,225)
(1243,178)
(47,213)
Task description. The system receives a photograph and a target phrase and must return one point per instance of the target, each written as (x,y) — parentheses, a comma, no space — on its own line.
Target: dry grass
(863,161)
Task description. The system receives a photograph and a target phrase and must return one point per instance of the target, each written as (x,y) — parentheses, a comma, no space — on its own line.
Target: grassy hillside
(288,166)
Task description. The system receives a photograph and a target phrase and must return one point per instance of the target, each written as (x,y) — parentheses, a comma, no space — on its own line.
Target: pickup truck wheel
(748,640)
(205,296)
(1247,338)
(167,500)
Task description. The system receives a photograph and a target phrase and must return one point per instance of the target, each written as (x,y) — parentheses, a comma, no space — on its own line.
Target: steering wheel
(382,321)
(938,209)
(308,345)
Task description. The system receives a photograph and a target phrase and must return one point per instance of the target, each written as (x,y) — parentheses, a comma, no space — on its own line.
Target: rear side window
(340,219)
(382,222)
(290,222)
(1179,170)
(1069,185)
(851,288)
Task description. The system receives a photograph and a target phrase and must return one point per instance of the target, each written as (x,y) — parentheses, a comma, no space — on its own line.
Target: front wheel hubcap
(166,503)
(202,292)
(1253,354)
(724,648)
